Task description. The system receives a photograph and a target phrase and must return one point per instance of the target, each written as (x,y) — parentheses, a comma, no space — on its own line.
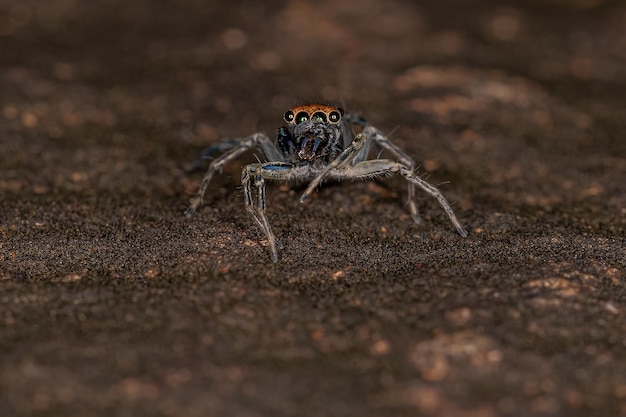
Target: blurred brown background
(112,303)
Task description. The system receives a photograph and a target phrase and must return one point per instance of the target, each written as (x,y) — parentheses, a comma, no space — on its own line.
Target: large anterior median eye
(302,117)
(319,117)
(289,116)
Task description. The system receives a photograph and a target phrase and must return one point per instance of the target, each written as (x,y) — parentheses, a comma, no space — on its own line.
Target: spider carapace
(316,143)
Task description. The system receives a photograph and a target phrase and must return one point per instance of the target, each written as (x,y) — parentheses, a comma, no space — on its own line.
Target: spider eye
(335,115)
(289,116)
(302,117)
(319,117)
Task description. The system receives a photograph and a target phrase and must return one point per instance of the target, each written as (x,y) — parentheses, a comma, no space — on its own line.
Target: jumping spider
(317,143)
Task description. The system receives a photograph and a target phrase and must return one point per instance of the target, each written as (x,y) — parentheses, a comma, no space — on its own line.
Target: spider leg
(343,159)
(271,239)
(257,140)
(403,158)
(278,171)
(208,153)
(377,167)
(247,173)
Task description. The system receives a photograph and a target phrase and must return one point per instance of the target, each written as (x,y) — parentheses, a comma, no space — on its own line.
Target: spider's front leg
(357,152)
(377,167)
(377,136)
(257,140)
(258,173)
(343,159)
(253,172)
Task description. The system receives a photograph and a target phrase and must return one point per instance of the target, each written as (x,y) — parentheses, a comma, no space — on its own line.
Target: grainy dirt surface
(113,303)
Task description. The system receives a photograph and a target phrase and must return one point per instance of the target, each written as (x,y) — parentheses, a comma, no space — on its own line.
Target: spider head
(315,130)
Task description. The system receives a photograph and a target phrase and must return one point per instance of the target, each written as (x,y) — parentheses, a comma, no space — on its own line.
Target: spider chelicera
(317,143)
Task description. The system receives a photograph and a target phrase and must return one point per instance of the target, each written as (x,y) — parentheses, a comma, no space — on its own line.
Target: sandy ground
(113,303)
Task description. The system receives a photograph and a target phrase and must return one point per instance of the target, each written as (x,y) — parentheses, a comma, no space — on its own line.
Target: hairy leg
(258,173)
(342,160)
(377,167)
(403,158)
(257,140)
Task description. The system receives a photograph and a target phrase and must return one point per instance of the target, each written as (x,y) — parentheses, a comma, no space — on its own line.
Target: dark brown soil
(113,303)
